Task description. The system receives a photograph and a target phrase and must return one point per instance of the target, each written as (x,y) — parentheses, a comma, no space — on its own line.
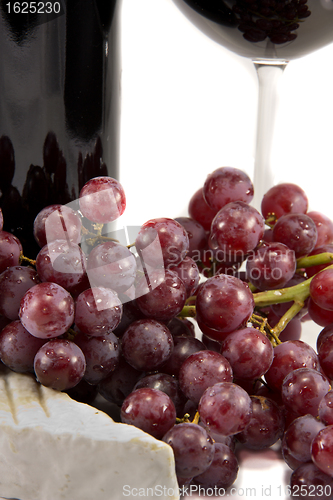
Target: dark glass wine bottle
(59,104)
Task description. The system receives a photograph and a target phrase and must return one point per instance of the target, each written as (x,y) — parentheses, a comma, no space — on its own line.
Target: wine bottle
(59,104)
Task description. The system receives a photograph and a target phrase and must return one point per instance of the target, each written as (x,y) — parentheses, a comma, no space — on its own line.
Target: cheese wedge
(54,448)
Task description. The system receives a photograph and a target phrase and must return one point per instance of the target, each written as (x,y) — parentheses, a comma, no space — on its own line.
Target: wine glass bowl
(270,33)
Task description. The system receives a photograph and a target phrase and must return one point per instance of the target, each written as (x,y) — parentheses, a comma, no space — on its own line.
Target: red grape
(162,237)
(266,425)
(297,231)
(271,266)
(15,281)
(309,482)
(97,311)
(303,389)
(18,348)
(321,289)
(299,435)
(237,229)
(57,222)
(283,199)
(224,303)
(102,200)
(227,184)
(243,348)
(324,227)
(59,364)
(201,370)
(147,344)
(101,354)
(322,450)
(222,472)
(200,211)
(225,408)
(47,310)
(193,448)
(150,410)
(10,250)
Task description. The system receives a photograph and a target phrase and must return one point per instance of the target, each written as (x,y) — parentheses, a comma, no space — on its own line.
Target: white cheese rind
(53,448)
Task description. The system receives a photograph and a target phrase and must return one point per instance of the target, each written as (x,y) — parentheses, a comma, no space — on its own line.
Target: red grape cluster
(194,331)
(275,20)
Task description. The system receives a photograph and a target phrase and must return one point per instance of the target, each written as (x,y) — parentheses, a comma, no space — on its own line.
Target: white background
(189,107)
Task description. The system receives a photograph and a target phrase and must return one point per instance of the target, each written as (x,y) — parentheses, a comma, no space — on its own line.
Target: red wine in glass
(271,33)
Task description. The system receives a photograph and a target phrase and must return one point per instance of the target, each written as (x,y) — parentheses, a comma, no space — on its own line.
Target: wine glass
(271,33)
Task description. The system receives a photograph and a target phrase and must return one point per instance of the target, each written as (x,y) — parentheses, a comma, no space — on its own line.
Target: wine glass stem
(269,73)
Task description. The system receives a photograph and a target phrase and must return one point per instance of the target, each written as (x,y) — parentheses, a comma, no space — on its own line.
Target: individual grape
(111,265)
(201,370)
(323,317)
(200,211)
(116,386)
(289,356)
(131,312)
(165,383)
(15,281)
(63,263)
(147,344)
(266,425)
(225,408)
(188,272)
(299,436)
(222,472)
(101,354)
(325,356)
(297,231)
(180,327)
(303,389)
(57,222)
(150,410)
(224,303)
(321,287)
(197,236)
(243,348)
(325,410)
(283,199)
(271,266)
(18,348)
(59,364)
(324,227)
(310,482)
(225,185)
(183,348)
(98,311)
(211,333)
(212,345)
(10,250)
(311,271)
(164,298)
(102,200)
(237,228)
(47,310)
(164,238)
(193,448)
(323,335)
(322,450)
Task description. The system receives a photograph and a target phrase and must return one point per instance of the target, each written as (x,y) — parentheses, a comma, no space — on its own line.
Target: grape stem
(26,260)
(296,294)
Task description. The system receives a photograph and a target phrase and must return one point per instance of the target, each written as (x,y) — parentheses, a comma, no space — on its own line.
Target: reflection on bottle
(59,106)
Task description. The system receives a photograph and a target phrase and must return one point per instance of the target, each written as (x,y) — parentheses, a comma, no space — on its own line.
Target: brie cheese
(54,448)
